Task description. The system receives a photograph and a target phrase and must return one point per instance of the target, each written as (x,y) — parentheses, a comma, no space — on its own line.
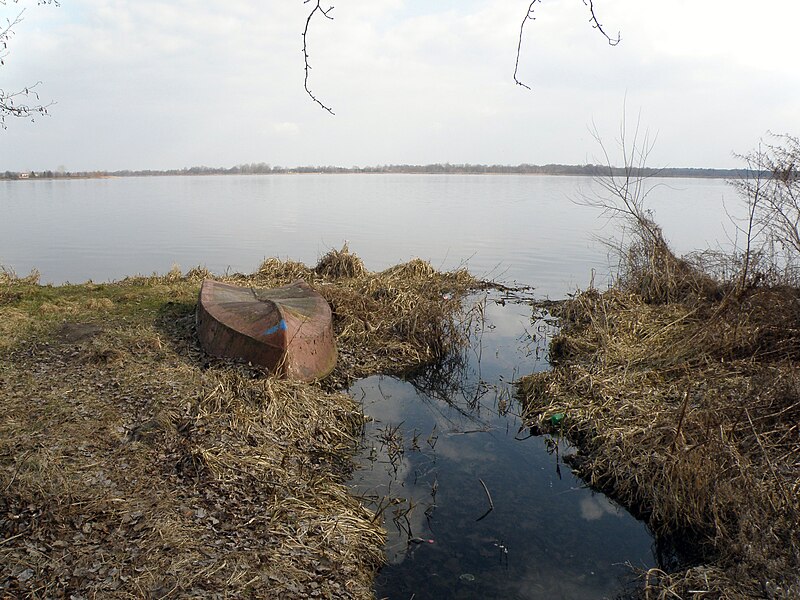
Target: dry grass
(133,465)
(653,272)
(339,264)
(684,402)
(388,322)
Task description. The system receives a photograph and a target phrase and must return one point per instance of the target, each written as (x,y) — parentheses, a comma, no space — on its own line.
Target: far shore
(587,170)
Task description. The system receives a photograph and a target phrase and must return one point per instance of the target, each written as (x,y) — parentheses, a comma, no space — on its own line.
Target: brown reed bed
(682,396)
(132,465)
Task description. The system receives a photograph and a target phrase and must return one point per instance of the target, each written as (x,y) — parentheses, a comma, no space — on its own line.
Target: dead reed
(390,321)
(683,399)
(338,264)
(133,465)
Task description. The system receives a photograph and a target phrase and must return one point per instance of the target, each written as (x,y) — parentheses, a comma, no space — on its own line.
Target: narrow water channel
(445,448)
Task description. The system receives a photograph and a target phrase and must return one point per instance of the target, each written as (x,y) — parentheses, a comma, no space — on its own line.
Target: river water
(445,445)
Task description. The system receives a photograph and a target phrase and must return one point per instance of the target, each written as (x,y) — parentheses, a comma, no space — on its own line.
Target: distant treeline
(438,168)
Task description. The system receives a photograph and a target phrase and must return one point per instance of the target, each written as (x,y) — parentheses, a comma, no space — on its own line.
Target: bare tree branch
(10,105)
(596,24)
(15,103)
(623,191)
(325,13)
(782,207)
(753,188)
(770,188)
(7,32)
(529,17)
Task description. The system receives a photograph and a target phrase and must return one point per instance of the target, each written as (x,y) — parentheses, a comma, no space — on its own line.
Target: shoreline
(136,464)
(591,171)
(685,408)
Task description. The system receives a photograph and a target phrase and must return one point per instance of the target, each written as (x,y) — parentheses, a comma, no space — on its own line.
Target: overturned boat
(287,330)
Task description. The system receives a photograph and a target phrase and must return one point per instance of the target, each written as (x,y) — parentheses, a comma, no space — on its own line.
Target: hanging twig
(596,24)
(529,17)
(325,13)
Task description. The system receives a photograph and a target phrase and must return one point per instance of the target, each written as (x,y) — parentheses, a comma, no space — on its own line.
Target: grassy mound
(133,465)
(682,395)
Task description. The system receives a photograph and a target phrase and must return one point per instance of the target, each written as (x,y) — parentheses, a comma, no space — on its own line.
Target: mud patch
(78,332)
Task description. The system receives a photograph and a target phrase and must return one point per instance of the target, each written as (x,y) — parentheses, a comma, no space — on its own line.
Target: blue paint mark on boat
(276,328)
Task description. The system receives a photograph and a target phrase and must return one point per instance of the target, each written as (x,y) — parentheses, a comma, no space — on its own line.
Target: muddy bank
(133,465)
(682,394)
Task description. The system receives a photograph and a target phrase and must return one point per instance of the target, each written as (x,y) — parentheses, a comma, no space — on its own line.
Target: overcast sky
(150,84)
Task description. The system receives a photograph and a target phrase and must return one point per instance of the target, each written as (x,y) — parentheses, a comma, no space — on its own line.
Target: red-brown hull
(287,330)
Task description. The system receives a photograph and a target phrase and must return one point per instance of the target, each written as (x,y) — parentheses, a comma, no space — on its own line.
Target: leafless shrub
(770,188)
(647,264)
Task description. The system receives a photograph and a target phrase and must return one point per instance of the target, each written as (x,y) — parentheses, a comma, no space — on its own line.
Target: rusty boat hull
(287,330)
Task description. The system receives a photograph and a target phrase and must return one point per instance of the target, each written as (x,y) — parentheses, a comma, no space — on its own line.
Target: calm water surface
(510,227)
(434,438)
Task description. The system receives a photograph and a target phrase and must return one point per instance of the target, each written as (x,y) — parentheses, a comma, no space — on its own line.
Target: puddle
(444,449)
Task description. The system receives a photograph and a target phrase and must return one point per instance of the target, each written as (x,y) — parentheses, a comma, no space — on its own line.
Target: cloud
(287,128)
(594,508)
(162,84)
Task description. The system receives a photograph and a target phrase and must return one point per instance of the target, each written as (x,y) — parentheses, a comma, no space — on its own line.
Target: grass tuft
(340,264)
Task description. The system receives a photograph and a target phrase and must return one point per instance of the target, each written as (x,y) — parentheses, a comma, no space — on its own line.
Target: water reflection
(597,507)
(443,449)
